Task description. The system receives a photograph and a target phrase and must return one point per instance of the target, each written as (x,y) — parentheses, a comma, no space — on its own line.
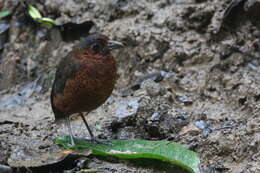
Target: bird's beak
(112,44)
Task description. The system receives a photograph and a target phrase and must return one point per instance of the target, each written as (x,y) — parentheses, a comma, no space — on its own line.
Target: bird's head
(99,43)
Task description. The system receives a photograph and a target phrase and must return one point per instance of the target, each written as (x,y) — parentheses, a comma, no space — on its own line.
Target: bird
(84,79)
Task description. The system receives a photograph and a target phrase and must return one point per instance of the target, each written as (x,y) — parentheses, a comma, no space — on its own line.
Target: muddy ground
(190,73)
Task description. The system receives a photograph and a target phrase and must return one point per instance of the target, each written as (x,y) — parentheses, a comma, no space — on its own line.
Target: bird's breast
(90,87)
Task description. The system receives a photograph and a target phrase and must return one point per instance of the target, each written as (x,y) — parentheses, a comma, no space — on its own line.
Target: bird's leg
(92,137)
(89,130)
(70,131)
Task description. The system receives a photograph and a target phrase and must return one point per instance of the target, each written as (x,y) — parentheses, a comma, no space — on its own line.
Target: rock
(190,129)
(252,11)
(19,99)
(184,100)
(152,88)
(126,107)
(200,124)
(155,117)
(206,132)
(156,77)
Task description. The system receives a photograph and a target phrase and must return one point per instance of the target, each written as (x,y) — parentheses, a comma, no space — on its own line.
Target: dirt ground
(190,73)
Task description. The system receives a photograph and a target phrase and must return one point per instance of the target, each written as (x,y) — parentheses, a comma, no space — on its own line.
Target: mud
(209,102)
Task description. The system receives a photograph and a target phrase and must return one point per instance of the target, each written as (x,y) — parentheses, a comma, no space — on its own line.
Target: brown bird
(85,79)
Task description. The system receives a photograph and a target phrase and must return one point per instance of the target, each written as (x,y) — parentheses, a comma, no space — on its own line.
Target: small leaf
(34,13)
(46,21)
(4,13)
(135,149)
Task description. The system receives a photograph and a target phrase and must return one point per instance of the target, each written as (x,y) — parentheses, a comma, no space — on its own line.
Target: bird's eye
(96,47)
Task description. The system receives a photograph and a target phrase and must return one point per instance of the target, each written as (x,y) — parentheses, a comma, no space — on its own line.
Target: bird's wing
(67,69)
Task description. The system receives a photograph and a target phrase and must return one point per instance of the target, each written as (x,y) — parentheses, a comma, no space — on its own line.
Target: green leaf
(135,149)
(36,15)
(4,13)
(49,20)
(46,21)
(33,12)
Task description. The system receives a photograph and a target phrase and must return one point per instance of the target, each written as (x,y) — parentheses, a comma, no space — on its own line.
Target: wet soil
(190,73)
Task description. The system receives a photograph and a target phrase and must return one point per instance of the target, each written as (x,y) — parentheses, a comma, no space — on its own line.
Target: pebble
(200,124)
(127,108)
(155,117)
(185,100)
(206,132)
(151,87)
(190,129)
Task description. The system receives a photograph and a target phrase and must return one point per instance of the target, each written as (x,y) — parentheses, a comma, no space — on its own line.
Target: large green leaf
(135,149)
